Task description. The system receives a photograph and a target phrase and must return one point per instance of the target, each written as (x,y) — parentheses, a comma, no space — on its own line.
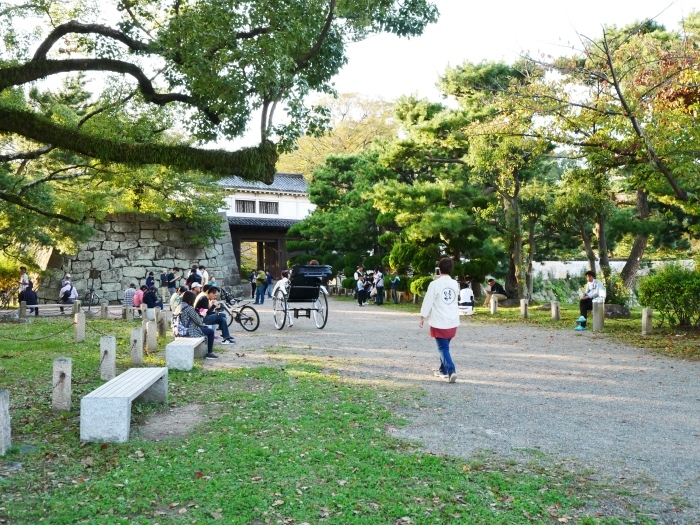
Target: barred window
(270,208)
(245,206)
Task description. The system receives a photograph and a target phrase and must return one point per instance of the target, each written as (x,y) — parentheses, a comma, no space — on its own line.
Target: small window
(245,206)
(270,208)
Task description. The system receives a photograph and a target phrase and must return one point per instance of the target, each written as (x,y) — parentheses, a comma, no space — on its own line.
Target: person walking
(260,286)
(395,283)
(441,310)
(172,281)
(30,299)
(23,282)
(163,278)
(251,280)
(268,275)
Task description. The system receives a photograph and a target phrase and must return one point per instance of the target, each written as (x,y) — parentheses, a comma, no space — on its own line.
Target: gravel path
(523,392)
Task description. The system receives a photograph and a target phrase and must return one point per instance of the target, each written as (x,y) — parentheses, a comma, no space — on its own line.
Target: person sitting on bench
(593,287)
(497,290)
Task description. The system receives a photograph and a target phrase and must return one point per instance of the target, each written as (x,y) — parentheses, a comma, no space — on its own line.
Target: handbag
(373,292)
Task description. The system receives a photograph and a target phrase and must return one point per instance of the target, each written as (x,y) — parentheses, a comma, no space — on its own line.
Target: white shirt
(282,283)
(466,295)
(205,277)
(23,282)
(67,287)
(440,304)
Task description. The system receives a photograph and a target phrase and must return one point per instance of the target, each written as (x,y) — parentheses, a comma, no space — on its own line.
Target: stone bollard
(151,336)
(76,306)
(415,298)
(598,316)
(79,327)
(5,435)
(124,312)
(523,308)
(556,311)
(108,357)
(104,311)
(647,318)
(129,313)
(494,304)
(144,311)
(62,391)
(156,311)
(136,341)
(23,309)
(162,327)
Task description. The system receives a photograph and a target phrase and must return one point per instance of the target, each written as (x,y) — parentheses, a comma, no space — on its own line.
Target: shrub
(674,292)
(617,293)
(419,285)
(349,283)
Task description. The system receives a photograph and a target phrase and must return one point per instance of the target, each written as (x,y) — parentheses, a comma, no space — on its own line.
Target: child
(361,291)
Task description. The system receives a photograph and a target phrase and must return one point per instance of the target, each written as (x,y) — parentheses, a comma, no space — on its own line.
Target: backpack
(66,295)
(178,327)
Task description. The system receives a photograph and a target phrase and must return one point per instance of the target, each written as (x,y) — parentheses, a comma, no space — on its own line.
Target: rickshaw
(307,285)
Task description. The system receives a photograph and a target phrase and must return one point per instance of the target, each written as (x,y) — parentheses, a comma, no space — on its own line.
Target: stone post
(144,329)
(104,311)
(415,298)
(523,308)
(144,311)
(79,327)
(494,304)
(136,341)
(598,316)
(151,336)
(647,317)
(556,311)
(129,313)
(76,306)
(23,309)
(62,391)
(5,436)
(162,327)
(123,312)
(108,357)
(156,311)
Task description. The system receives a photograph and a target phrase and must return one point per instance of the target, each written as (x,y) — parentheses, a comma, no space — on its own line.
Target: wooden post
(556,311)
(23,309)
(62,377)
(494,304)
(523,308)
(647,318)
(598,316)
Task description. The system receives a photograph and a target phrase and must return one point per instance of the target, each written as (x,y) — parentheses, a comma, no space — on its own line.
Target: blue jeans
(446,365)
(219,320)
(379,298)
(269,290)
(209,334)
(260,293)
(395,295)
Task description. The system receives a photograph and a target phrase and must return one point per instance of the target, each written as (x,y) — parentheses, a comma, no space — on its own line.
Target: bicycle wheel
(4,300)
(321,311)
(248,318)
(279,309)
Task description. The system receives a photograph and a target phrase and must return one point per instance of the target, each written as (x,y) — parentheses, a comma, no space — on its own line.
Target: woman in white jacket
(441,309)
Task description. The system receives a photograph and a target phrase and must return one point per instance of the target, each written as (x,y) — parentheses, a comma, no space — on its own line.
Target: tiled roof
(286,182)
(261,223)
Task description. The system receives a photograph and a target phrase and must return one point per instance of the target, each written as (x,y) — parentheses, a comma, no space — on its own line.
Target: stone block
(80,266)
(188,254)
(647,320)
(150,226)
(146,234)
(113,276)
(5,433)
(111,296)
(146,252)
(110,245)
(598,316)
(93,245)
(131,271)
(616,311)
(136,342)
(101,255)
(117,237)
(120,262)
(523,308)
(556,311)
(180,353)
(493,305)
(134,236)
(175,235)
(99,236)
(144,263)
(108,357)
(111,287)
(104,226)
(105,419)
(160,235)
(79,320)
(62,389)
(85,256)
(149,243)
(151,336)
(165,252)
(123,227)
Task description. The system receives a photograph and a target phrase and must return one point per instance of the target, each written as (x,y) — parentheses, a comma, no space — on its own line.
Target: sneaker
(440,375)
(211,356)
(228,341)
(581,319)
(452,378)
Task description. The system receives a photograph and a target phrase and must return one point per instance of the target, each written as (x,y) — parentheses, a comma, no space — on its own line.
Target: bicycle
(239,311)
(6,297)
(92,298)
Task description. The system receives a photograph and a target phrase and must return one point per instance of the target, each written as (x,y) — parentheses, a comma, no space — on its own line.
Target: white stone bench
(105,413)
(180,353)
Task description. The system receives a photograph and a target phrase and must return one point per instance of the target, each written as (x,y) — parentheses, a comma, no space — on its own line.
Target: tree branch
(17,201)
(36,70)
(26,155)
(257,163)
(55,176)
(76,27)
(304,60)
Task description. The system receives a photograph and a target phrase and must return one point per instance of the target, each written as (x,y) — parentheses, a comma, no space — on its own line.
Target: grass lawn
(287,444)
(664,339)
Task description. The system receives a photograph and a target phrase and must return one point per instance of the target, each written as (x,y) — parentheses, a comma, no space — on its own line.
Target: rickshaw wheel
(279,309)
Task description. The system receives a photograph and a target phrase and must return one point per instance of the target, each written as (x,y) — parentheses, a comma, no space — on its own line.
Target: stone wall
(127,246)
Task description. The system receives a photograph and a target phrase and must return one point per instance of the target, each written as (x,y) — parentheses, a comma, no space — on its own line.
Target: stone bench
(105,413)
(180,353)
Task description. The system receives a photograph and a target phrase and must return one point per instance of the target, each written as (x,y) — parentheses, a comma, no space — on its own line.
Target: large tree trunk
(634,260)
(515,280)
(590,254)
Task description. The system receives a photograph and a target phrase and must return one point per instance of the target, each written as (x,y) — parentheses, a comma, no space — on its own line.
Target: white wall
(290,206)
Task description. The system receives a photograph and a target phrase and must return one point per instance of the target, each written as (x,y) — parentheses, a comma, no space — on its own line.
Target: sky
(387,67)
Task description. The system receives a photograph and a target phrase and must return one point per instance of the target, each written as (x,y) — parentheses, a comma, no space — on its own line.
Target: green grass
(288,444)
(667,340)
